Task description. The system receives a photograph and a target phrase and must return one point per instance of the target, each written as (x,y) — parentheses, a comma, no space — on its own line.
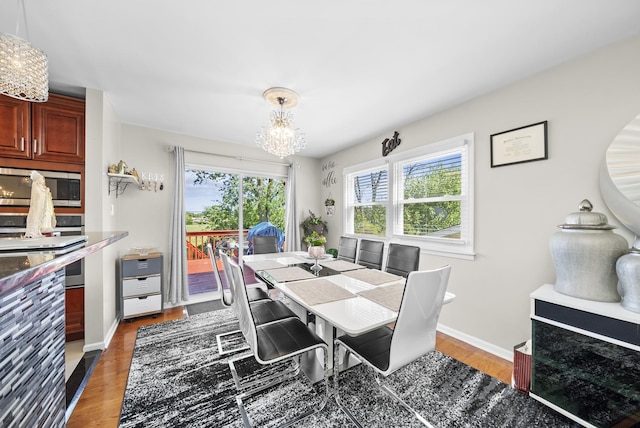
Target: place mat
(341,265)
(389,296)
(372,276)
(293,273)
(257,265)
(320,290)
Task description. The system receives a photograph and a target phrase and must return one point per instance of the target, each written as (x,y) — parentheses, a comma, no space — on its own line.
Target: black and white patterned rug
(178,379)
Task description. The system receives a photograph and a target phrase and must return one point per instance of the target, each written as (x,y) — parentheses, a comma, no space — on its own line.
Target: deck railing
(197,242)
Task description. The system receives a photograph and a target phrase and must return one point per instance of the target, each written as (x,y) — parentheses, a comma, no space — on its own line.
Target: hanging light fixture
(280,137)
(23,69)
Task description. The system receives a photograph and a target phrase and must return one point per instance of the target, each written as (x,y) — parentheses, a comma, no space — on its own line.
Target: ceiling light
(280,138)
(23,68)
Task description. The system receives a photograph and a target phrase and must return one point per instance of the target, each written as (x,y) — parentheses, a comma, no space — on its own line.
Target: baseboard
(101,346)
(478,343)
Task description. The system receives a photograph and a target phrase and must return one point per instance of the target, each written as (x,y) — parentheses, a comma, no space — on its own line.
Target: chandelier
(23,68)
(281,138)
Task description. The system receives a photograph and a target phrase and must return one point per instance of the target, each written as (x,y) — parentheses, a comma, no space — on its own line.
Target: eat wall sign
(390,143)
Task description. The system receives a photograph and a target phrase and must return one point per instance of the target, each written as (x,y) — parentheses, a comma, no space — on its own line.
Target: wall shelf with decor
(119,182)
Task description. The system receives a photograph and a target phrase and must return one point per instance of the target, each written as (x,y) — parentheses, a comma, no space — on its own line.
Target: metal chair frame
(227,300)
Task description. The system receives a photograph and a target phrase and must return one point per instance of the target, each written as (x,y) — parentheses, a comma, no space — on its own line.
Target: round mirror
(620,176)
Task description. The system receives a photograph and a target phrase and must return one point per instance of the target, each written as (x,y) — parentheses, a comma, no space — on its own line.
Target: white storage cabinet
(140,290)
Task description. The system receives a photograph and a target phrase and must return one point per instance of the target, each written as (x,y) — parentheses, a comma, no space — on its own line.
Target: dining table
(332,296)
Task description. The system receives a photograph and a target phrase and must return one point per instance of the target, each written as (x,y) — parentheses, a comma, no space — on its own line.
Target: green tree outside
(263,200)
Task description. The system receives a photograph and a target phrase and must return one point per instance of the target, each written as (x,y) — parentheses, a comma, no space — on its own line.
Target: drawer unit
(145,305)
(143,266)
(140,285)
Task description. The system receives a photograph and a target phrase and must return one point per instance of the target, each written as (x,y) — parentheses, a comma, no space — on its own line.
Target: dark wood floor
(99,405)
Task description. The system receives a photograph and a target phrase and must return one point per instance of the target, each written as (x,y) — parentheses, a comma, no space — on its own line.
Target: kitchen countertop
(25,268)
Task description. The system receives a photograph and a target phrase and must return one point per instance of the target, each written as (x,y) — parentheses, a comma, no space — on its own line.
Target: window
(367,204)
(419,197)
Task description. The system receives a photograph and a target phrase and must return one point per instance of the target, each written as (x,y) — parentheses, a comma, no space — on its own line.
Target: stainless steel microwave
(15,187)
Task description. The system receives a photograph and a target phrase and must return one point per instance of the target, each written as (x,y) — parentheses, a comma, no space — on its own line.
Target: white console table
(585,358)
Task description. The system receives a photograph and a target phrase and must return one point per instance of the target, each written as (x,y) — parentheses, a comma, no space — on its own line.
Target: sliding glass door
(221,208)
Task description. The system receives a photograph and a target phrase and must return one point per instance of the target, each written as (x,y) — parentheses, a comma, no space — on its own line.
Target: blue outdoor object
(265,229)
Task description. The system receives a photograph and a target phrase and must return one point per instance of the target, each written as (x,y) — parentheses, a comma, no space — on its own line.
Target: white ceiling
(362,68)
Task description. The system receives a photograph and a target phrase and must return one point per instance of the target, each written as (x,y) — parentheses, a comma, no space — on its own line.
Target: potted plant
(313,223)
(315,242)
(329,206)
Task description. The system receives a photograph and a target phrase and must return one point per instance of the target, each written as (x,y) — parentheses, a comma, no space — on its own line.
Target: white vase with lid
(628,270)
(584,254)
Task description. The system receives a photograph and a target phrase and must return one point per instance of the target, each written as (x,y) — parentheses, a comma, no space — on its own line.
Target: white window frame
(458,248)
(351,205)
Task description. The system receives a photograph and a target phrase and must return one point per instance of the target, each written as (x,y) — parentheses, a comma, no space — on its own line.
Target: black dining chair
(347,249)
(387,350)
(370,254)
(265,244)
(402,259)
(272,343)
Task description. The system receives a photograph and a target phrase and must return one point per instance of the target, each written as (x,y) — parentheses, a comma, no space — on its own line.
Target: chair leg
(336,390)
(253,386)
(323,403)
(383,387)
(392,394)
(222,351)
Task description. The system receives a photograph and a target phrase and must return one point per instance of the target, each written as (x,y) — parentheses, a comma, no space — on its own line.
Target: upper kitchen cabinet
(50,132)
(15,128)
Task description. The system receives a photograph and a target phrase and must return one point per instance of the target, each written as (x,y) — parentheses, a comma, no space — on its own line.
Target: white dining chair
(272,343)
(265,311)
(387,350)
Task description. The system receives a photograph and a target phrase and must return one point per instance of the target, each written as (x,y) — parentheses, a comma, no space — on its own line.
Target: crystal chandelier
(23,68)
(281,138)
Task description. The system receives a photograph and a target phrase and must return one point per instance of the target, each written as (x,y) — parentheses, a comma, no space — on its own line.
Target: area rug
(202,307)
(177,379)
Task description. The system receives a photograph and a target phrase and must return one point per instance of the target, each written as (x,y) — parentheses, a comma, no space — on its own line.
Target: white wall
(518,207)
(103,143)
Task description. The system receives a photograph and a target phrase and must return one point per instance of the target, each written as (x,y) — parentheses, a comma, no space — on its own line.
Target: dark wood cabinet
(15,128)
(52,132)
(57,128)
(74,314)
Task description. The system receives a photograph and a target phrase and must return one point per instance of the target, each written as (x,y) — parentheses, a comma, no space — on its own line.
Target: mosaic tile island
(32,333)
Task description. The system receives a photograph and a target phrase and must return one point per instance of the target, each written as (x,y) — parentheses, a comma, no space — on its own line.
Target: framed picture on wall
(524,144)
